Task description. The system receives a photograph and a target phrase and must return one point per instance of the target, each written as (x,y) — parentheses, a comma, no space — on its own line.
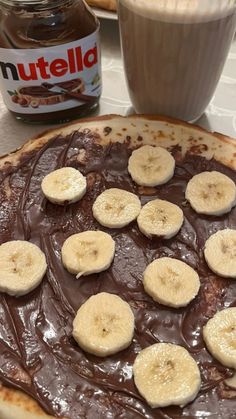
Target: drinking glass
(174,53)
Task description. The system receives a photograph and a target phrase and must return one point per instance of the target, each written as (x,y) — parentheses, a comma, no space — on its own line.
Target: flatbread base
(152,130)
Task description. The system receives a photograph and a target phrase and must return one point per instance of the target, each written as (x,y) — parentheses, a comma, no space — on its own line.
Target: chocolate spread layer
(37,351)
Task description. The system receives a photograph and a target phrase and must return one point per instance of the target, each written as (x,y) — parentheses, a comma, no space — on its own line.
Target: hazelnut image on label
(34,103)
(15,98)
(23,102)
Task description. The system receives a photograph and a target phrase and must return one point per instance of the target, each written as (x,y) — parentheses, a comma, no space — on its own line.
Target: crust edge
(16,404)
(195,133)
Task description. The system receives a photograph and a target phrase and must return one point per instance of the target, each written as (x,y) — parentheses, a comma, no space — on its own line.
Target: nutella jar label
(51,79)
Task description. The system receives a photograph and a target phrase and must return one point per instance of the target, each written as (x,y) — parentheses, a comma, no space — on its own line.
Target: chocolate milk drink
(174,52)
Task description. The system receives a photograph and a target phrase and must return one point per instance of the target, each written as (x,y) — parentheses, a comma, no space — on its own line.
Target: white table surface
(220,115)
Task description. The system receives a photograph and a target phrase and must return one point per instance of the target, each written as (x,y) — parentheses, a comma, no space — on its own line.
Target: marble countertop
(220,115)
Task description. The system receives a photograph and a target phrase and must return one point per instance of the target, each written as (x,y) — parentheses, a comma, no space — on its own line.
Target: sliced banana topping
(171,282)
(160,218)
(211,193)
(220,336)
(22,267)
(116,208)
(104,325)
(65,185)
(166,374)
(220,253)
(88,252)
(151,166)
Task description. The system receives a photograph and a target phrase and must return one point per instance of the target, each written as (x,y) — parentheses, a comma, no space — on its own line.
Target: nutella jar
(50,63)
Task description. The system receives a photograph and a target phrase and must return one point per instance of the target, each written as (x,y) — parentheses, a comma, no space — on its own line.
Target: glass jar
(50,64)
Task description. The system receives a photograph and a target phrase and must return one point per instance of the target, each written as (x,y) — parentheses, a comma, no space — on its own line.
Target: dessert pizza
(117,272)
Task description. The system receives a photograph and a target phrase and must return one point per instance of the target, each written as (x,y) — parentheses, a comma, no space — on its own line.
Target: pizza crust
(15,404)
(103,4)
(140,130)
(134,131)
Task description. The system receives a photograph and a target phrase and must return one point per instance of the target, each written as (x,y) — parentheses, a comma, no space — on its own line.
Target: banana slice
(220,253)
(171,282)
(88,252)
(160,218)
(104,325)
(151,166)
(116,208)
(220,336)
(166,374)
(65,185)
(211,193)
(22,267)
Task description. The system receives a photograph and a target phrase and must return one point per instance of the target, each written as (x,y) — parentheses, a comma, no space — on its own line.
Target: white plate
(105,14)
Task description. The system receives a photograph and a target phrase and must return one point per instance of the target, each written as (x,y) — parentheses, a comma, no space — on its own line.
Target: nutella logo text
(42,69)
(51,79)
